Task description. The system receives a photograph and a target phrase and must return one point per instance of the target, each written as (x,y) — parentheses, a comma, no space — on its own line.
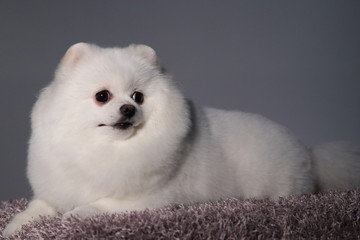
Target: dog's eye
(138,97)
(103,96)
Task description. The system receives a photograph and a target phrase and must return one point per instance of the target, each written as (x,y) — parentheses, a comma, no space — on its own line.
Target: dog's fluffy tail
(337,166)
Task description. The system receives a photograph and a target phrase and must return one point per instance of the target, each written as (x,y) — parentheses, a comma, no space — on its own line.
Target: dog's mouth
(122,125)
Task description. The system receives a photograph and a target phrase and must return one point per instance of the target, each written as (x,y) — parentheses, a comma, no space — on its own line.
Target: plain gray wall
(296,62)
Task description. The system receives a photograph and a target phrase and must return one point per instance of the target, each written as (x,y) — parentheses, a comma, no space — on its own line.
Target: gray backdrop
(296,62)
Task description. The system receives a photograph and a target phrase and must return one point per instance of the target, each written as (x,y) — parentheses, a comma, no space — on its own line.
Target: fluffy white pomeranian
(113,133)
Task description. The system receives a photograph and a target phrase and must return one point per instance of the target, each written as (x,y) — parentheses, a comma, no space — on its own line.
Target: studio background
(295,62)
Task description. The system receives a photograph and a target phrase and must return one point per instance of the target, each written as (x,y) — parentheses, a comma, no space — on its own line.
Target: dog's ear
(144,52)
(75,53)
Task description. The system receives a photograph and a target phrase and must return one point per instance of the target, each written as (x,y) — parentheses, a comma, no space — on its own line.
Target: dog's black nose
(128,110)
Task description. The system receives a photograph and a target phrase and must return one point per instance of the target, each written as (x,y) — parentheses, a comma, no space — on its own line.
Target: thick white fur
(175,153)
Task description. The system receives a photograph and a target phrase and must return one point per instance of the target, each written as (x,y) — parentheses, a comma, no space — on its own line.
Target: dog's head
(112,92)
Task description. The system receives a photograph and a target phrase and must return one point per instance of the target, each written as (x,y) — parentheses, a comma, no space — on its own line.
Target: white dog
(113,133)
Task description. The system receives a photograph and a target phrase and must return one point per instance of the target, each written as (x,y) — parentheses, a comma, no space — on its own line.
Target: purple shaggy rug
(333,215)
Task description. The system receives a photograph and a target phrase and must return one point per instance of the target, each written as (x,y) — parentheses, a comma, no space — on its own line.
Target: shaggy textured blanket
(332,215)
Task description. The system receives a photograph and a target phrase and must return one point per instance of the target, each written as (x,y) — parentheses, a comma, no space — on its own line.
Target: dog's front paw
(35,208)
(16,223)
(11,228)
(82,212)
